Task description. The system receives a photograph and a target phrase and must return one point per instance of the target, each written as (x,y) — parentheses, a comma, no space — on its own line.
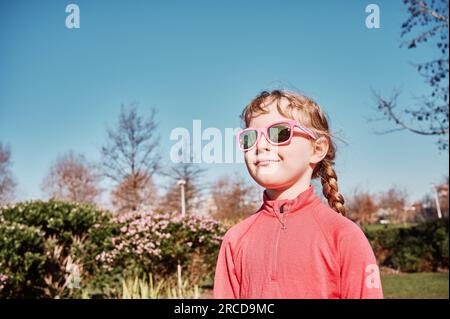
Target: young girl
(294,246)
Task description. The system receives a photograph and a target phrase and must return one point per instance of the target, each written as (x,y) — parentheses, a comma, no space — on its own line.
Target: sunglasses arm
(307,131)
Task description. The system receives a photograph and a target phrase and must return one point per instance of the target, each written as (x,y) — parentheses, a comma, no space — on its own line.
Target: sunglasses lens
(247,139)
(280,133)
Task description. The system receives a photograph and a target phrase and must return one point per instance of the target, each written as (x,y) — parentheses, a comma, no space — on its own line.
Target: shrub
(158,242)
(42,242)
(61,220)
(423,247)
(22,260)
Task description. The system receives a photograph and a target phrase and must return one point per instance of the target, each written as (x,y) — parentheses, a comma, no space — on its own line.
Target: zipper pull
(283,223)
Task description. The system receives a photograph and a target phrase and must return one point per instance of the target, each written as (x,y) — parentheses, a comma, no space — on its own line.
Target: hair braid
(330,186)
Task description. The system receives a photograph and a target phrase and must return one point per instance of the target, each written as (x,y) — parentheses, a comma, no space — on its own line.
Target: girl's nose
(262,144)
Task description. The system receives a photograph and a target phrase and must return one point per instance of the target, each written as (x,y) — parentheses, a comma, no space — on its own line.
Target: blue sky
(60,88)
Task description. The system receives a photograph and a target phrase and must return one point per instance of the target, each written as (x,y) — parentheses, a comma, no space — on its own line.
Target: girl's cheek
(249,158)
(300,149)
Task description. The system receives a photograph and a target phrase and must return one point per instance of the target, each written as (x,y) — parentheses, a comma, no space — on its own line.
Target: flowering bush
(3,279)
(157,242)
(40,240)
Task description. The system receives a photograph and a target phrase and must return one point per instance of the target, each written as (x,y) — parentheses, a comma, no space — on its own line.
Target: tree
(233,198)
(72,178)
(134,192)
(393,202)
(130,158)
(362,207)
(7,182)
(191,174)
(430,118)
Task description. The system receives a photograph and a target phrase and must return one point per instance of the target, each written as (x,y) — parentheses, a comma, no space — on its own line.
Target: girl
(294,246)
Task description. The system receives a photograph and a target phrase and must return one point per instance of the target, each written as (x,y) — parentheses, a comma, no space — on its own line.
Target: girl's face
(279,167)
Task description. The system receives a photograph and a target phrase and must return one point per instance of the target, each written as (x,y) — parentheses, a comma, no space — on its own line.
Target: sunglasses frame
(265,131)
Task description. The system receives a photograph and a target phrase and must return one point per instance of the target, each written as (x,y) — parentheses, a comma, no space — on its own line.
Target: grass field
(406,286)
(375,227)
(416,286)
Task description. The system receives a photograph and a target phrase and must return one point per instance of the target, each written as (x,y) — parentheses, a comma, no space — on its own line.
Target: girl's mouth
(265,162)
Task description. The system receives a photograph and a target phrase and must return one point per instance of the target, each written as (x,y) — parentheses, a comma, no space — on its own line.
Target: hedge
(423,247)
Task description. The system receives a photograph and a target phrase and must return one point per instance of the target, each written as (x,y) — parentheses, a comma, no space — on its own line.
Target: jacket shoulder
(334,225)
(235,232)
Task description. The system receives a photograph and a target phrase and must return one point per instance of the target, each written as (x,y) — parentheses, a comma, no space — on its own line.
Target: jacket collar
(301,201)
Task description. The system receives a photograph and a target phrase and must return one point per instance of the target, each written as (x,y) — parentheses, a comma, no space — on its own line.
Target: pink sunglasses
(278,133)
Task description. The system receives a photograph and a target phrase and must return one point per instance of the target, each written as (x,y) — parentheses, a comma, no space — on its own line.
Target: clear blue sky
(59,88)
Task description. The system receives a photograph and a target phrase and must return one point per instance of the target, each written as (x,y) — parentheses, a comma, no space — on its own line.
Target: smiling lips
(265,161)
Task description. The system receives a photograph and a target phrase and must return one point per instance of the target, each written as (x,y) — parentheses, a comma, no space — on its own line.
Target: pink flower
(3,279)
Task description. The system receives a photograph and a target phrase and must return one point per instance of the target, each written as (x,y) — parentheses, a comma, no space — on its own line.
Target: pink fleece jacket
(318,253)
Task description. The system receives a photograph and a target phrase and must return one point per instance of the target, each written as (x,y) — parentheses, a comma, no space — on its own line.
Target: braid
(330,186)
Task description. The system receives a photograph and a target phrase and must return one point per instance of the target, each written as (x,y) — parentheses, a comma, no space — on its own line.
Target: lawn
(406,286)
(416,286)
(375,227)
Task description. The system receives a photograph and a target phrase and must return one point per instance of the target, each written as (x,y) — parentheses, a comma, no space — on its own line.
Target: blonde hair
(308,112)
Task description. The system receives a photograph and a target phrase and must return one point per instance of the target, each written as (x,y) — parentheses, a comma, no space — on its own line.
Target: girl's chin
(269,180)
(266,172)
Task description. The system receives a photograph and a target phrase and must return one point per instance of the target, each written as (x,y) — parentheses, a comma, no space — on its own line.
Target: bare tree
(134,192)
(192,175)
(130,157)
(7,182)
(393,202)
(234,199)
(362,207)
(430,116)
(72,178)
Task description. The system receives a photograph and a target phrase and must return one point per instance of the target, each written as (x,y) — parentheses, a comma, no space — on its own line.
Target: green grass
(416,286)
(424,285)
(375,227)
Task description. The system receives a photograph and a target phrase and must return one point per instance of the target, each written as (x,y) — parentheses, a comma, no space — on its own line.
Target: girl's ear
(320,150)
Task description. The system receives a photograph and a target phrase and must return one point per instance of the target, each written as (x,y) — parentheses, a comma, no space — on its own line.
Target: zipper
(277,239)
(283,222)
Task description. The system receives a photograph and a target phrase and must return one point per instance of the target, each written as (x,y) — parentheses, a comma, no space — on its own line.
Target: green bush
(22,260)
(62,220)
(423,247)
(42,242)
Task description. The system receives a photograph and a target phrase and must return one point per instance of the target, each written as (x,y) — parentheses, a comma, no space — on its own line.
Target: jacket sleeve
(360,275)
(226,284)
